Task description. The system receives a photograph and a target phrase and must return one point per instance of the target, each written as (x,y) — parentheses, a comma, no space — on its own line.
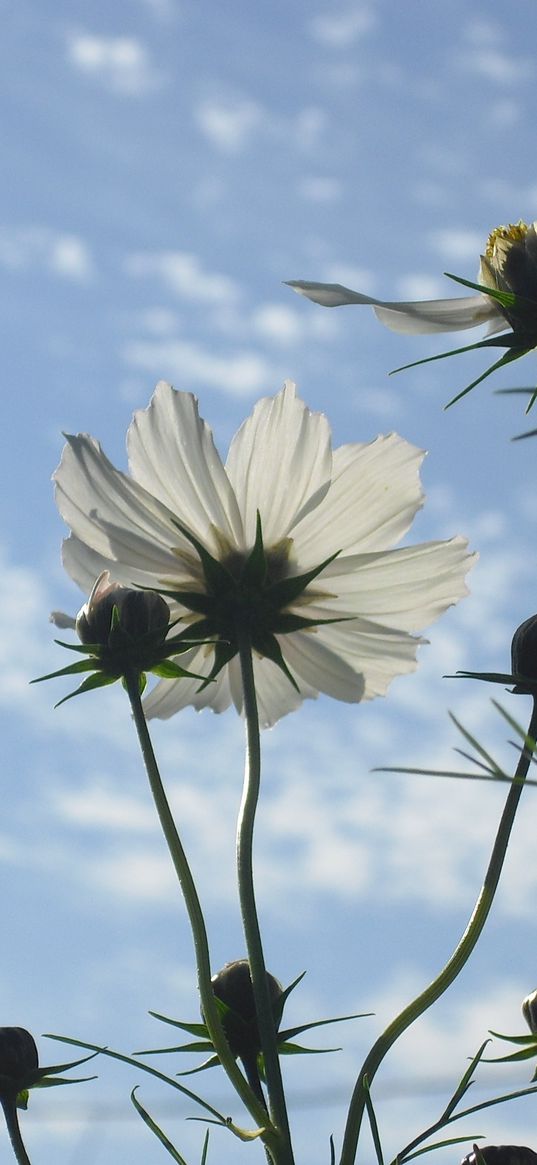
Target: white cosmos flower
(313,503)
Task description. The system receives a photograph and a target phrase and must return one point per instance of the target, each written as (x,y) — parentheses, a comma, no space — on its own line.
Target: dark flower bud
(233,986)
(524,655)
(529,1011)
(18,1059)
(500,1155)
(139,612)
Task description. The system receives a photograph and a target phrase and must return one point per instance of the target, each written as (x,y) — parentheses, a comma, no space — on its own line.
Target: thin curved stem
(9,1106)
(458,959)
(197,922)
(254,946)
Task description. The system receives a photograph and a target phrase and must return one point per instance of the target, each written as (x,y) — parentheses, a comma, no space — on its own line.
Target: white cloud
(342,25)
(65,255)
(417,286)
(286,326)
(184,274)
(498,66)
(320,189)
(188,365)
(229,125)
(457,243)
(120,63)
(358,278)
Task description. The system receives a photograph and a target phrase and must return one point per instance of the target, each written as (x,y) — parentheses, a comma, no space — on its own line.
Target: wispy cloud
(340,26)
(229,125)
(184,274)
(65,255)
(241,373)
(122,64)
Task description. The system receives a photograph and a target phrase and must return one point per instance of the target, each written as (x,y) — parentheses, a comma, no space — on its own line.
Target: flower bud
(140,612)
(18,1058)
(233,986)
(524,655)
(529,1011)
(500,1155)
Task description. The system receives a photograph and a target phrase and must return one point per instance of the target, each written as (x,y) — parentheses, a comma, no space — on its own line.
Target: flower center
(502,238)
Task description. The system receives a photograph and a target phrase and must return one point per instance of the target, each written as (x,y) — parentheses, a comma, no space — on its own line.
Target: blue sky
(166,166)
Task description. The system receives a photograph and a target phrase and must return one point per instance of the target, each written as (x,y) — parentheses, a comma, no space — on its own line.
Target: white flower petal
(275,694)
(170,696)
(433,315)
(374,496)
(312,661)
(111,513)
(173,455)
(375,652)
(279,464)
(406,589)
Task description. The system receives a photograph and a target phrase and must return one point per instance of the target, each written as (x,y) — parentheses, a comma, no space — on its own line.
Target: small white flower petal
(413,317)
(172,455)
(374,496)
(279,464)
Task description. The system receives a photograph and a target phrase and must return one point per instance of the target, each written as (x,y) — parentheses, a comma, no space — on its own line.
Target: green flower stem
(12,1121)
(245,832)
(201,947)
(457,961)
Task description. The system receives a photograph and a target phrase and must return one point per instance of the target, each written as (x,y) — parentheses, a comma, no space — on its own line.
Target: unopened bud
(529,1011)
(233,986)
(139,612)
(18,1058)
(524,655)
(500,1155)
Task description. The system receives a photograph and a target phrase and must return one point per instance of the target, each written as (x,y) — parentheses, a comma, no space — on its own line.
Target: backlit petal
(173,455)
(433,315)
(405,589)
(374,496)
(279,463)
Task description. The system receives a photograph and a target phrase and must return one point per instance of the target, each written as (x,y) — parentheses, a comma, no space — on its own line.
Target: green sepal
(507,358)
(72,669)
(303,1027)
(522,685)
(193,1046)
(287,589)
(212,1062)
(217,576)
(254,571)
(168,670)
(285,623)
(22,1098)
(193,1029)
(97,680)
(506,298)
(267,645)
(223,654)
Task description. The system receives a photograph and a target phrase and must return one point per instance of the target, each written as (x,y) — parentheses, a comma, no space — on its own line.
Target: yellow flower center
(501,239)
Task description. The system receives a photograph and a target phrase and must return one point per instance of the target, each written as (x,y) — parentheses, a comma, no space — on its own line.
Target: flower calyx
(247,597)
(234,995)
(123,632)
(20,1071)
(523,673)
